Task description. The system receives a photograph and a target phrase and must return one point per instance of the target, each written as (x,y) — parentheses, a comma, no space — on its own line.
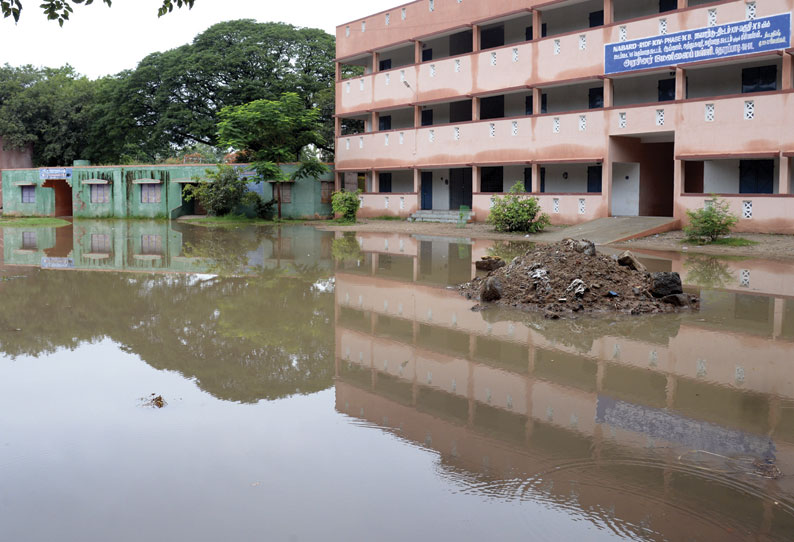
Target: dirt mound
(570,278)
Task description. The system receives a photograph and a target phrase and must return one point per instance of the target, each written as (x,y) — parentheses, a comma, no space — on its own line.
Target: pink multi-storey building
(599,107)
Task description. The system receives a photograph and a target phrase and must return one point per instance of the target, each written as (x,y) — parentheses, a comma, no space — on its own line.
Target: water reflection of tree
(242,339)
(508,250)
(346,248)
(707,272)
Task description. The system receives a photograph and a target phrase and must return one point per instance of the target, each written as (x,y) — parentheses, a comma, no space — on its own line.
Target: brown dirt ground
(476,230)
(541,281)
(769,247)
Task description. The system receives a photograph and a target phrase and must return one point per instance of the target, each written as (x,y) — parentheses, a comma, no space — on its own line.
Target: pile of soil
(569,278)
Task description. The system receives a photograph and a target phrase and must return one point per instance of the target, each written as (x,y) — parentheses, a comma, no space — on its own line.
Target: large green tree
(172,98)
(272,132)
(48,109)
(61,10)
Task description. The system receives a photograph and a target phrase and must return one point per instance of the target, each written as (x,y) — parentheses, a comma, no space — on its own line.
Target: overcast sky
(100,40)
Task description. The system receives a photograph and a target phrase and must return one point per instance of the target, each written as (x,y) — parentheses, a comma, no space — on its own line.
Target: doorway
(460,188)
(63,196)
(427,190)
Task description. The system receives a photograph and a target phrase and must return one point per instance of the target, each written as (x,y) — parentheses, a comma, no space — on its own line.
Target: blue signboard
(55,173)
(57,263)
(728,40)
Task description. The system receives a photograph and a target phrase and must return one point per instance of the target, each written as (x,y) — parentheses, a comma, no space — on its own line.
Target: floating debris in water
(154,401)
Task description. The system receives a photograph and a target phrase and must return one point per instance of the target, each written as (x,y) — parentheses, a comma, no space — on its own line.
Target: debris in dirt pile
(490,263)
(569,277)
(154,401)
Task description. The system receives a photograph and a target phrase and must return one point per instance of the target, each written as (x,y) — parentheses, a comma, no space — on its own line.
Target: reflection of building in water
(503,399)
(169,247)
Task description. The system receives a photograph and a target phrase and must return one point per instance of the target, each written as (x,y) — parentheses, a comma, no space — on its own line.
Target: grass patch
(386,217)
(238,220)
(32,222)
(725,242)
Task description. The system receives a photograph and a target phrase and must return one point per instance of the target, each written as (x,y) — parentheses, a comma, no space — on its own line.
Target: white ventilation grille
(660,117)
(363,26)
(402,206)
(515,54)
(622,120)
(432,70)
(750,11)
(347,31)
(582,206)
(388,19)
(555,206)
(557,47)
(386,140)
(457,65)
(713,17)
(493,59)
(456,133)
(662,27)
(492,129)
(402,76)
(749,110)
(744,278)
(709,112)
(361,142)
(583,42)
(582,123)
(347,87)
(431,135)
(555,125)
(402,138)
(623,33)
(347,144)
(360,84)
(386,206)
(388,79)
(747,210)
(431,5)
(515,128)
(493,202)
(403,13)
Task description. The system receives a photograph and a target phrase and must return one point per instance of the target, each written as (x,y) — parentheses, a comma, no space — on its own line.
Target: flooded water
(328,386)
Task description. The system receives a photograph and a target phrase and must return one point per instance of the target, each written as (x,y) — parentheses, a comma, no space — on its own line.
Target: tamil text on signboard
(728,40)
(55,173)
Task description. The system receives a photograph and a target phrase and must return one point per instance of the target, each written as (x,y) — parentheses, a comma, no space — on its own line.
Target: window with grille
(286,192)
(326,191)
(152,245)
(100,193)
(100,243)
(28,194)
(150,193)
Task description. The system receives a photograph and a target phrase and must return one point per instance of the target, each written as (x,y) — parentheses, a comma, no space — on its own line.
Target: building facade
(13,159)
(141,192)
(599,107)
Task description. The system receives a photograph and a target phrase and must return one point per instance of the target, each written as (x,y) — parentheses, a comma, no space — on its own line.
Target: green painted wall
(125,200)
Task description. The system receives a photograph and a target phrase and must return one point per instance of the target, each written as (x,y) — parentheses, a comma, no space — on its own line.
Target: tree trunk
(279,200)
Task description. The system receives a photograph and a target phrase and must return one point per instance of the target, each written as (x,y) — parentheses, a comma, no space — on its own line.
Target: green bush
(517,212)
(346,204)
(710,223)
(263,209)
(222,194)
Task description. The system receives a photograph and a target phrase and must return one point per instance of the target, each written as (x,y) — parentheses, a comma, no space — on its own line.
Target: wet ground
(330,386)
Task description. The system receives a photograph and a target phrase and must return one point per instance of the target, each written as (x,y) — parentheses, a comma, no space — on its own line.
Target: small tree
(346,204)
(713,221)
(221,194)
(517,212)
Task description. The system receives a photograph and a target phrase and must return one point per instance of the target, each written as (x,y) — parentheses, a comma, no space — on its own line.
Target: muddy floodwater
(172,382)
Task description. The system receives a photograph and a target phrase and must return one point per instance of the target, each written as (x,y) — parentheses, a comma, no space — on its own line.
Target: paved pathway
(603,231)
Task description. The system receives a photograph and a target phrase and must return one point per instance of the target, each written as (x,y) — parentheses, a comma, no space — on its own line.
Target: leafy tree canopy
(60,10)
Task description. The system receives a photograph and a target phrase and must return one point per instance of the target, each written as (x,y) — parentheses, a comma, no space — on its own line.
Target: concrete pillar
(537,25)
(609,93)
(680,84)
(375,121)
(535,178)
(476,180)
(417,52)
(374,269)
(375,182)
(417,181)
(678,186)
(537,101)
(475,37)
(338,67)
(683,4)
(417,116)
(606,183)
(338,181)
(787,72)
(375,62)
(475,109)
(784,186)
(609,12)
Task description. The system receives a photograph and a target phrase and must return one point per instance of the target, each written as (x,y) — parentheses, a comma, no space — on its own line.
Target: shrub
(346,204)
(517,212)
(710,223)
(221,194)
(263,209)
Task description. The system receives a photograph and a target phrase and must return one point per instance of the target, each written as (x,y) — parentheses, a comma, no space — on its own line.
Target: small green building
(142,191)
